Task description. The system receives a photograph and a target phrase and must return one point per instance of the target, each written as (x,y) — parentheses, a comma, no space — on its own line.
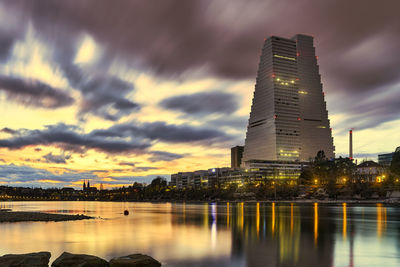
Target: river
(210,234)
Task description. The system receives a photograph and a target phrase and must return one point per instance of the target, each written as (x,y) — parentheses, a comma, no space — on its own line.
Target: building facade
(370,171)
(236,156)
(288,119)
(257,171)
(386,159)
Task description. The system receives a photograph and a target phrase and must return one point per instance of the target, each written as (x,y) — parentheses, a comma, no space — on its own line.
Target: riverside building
(288,119)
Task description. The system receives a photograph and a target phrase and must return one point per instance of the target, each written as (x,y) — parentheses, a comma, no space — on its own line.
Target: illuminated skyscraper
(288,118)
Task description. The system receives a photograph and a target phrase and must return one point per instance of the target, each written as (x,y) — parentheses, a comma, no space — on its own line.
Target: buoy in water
(126,212)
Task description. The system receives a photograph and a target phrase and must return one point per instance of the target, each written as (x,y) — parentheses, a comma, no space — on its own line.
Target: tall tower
(315,131)
(288,119)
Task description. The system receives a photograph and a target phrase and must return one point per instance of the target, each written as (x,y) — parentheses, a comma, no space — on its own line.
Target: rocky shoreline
(26,216)
(41,259)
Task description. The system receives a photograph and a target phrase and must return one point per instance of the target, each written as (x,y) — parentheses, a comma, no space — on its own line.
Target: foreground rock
(134,260)
(39,259)
(79,260)
(23,216)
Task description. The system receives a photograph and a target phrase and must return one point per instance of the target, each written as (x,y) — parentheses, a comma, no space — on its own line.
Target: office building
(236,156)
(288,119)
(386,159)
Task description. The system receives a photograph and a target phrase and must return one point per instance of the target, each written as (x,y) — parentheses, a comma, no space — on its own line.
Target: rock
(79,260)
(134,260)
(126,212)
(39,259)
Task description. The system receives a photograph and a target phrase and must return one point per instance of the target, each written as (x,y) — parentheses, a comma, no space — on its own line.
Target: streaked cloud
(35,93)
(202,103)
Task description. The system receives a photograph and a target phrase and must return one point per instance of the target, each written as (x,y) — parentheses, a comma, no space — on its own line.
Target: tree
(158,181)
(395,165)
(306,176)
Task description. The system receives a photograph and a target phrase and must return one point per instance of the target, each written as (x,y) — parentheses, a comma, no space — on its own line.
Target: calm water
(234,234)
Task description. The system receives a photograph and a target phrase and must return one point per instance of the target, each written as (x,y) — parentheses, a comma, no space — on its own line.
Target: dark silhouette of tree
(395,165)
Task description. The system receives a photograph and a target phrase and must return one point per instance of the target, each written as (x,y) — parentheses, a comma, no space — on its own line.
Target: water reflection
(315,223)
(211,234)
(344,207)
(380,219)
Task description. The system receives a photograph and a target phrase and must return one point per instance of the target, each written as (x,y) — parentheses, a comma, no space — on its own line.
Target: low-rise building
(255,171)
(370,171)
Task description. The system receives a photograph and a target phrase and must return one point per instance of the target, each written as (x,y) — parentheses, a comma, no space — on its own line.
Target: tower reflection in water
(271,234)
(289,234)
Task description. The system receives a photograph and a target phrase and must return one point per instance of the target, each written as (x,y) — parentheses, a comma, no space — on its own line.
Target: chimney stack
(351,144)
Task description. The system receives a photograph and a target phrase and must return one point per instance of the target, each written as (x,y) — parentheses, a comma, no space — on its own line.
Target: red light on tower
(273,75)
(316,57)
(299,119)
(298,54)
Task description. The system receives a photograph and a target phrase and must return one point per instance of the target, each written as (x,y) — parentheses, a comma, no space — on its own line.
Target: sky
(121,91)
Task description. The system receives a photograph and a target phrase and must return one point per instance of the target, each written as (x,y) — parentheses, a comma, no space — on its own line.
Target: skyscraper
(288,119)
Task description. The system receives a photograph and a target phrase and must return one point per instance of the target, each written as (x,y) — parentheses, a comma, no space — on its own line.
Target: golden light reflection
(273,218)
(154,229)
(291,218)
(205,215)
(227,214)
(258,218)
(344,234)
(380,219)
(289,241)
(315,223)
(242,215)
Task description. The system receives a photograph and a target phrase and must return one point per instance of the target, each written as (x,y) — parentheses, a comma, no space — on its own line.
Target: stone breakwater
(25,216)
(41,259)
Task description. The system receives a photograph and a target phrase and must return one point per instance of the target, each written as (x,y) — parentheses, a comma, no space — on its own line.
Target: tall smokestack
(351,144)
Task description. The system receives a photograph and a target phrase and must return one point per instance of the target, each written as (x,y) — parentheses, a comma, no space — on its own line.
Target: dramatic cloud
(144,169)
(220,38)
(235,122)
(31,92)
(105,96)
(127,164)
(370,110)
(120,138)
(202,103)
(164,156)
(8,130)
(224,35)
(161,131)
(67,135)
(24,174)
(50,158)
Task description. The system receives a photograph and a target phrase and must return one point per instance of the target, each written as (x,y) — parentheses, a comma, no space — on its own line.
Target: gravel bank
(24,216)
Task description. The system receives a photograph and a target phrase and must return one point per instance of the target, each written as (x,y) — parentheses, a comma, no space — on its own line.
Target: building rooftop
(368,163)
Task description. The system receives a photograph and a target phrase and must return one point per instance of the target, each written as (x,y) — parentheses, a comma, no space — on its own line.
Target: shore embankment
(41,259)
(7,215)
